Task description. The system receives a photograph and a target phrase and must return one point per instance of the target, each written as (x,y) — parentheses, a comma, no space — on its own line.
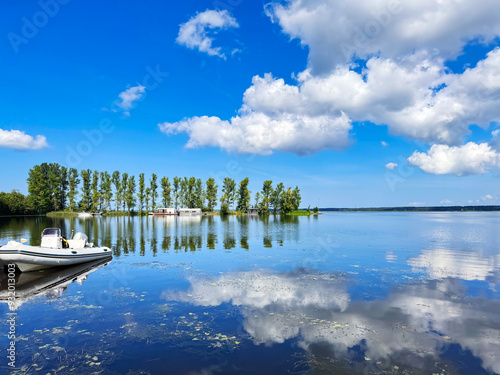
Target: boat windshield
(51,232)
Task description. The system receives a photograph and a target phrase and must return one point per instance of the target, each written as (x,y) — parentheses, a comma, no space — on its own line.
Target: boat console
(52,238)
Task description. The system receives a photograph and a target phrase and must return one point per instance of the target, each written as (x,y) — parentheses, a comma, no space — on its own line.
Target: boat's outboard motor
(80,240)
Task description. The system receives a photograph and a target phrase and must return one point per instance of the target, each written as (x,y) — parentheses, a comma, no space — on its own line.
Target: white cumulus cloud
(259,133)
(128,97)
(336,30)
(193,33)
(404,85)
(20,140)
(391,166)
(471,158)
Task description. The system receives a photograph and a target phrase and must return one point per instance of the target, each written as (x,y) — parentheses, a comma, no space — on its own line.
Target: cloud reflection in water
(415,323)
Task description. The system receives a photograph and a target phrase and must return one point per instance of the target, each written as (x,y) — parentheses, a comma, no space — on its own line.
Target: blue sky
(326,95)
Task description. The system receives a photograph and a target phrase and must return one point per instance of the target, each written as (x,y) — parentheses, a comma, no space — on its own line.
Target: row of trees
(55,188)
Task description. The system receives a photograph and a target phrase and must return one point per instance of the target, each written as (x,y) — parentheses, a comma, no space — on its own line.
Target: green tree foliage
(124,189)
(224,209)
(39,188)
(211,194)
(188,193)
(257,200)
(73,187)
(267,193)
(52,186)
(130,194)
(296,198)
(315,210)
(286,201)
(54,177)
(96,194)
(15,203)
(183,192)
(153,185)
(86,201)
(266,196)
(199,194)
(276,197)
(148,195)
(48,186)
(243,196)
(63,187)
(107,190)
(166,191)
(176,191)
(228,191)
(141,194)
(115,179)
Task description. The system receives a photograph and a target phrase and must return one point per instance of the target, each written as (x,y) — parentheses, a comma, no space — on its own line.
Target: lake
(342,293)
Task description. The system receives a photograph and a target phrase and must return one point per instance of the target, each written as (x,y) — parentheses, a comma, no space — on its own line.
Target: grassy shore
(70,214)
(63,214)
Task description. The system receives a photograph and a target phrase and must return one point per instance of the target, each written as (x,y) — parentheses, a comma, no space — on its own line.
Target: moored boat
(51,283)
(54,251)
(164,211)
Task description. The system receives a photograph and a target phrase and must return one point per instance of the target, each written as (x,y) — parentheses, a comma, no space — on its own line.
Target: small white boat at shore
(88,214)
(54,251)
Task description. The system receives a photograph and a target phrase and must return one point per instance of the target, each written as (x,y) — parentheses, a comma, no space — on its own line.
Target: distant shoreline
(416,209)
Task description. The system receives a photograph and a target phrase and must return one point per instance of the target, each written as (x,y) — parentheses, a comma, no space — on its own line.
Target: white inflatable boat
(54,251)
(51,283)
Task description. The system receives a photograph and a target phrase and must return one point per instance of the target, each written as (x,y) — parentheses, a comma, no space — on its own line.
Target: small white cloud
(128,97)
(487,197)
(385,144)
(446,201)
(468,159)
(20,140)
(193,33)
(416,204)
(391,166)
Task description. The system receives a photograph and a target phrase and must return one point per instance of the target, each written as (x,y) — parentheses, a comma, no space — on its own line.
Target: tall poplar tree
(141,193)
(199,194)
(96,195)
(153,185)
(176,186)
(243,196)
(107,191)
(211,194)
(130,194)
(124,189)
(86,201)
(276,197)
(165,192)
(73,186)
(228,192)
(115,179)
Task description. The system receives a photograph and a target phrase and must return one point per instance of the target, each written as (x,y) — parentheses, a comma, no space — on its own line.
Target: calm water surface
(344,293)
